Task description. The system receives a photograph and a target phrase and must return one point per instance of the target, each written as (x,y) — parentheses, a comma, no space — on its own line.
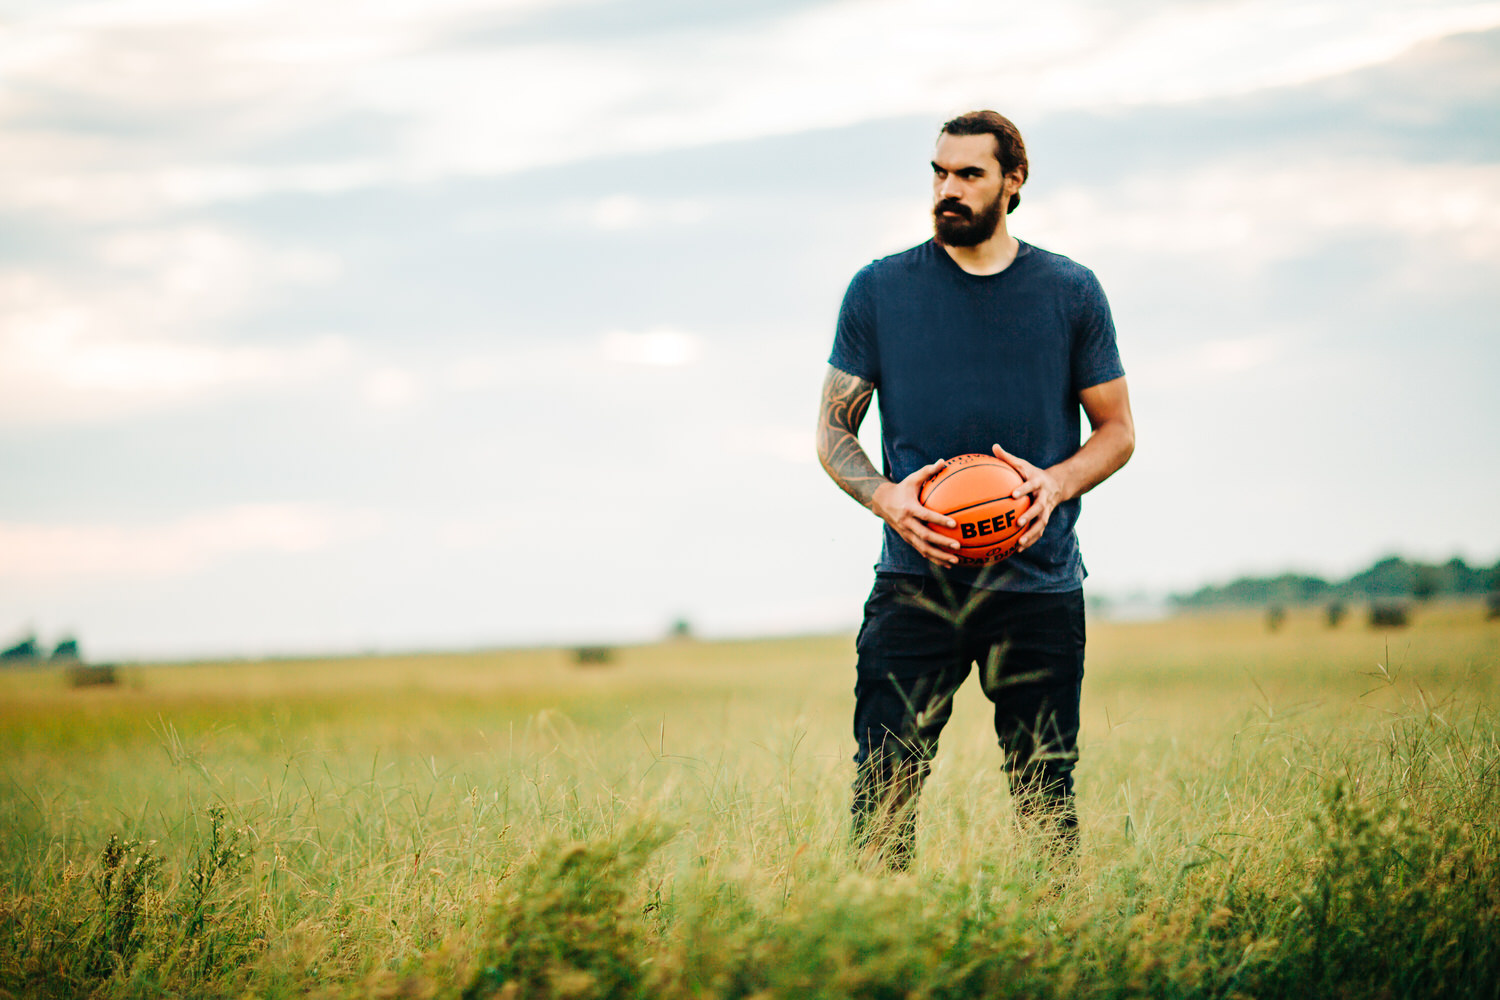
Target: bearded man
(974,342)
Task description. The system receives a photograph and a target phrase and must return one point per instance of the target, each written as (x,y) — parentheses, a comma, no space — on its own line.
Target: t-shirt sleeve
(854,338)
(1096,357)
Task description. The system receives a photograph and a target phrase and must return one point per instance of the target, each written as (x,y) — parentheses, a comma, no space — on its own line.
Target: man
(975,342)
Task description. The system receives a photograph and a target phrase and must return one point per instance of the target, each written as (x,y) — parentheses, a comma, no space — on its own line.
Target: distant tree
(1307,588)
(66,649)
(1334,613)
(1457,577)
(1275,617)
(26,649)
(1390,577)
(1288,588)
(1425,582)
(680,629)
(1492,605)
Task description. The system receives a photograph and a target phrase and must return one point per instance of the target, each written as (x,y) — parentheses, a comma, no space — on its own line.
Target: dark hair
(1010,150)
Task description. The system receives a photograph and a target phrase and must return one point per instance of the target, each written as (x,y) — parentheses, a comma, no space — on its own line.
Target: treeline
(1392,578)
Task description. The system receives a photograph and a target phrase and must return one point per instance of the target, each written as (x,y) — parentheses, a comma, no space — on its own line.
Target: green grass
(1309,812)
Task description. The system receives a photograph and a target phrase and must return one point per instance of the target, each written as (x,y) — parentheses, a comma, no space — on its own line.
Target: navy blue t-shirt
(961,362)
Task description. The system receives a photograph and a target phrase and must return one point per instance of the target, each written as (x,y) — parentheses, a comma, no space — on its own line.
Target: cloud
(1213,362)
(625,211)
(469,534)
(46,553)
(118,110)
(140,323)
(390,388)
(659,348)
(841,63)
(1249,214)
(782,443)
(1192,52)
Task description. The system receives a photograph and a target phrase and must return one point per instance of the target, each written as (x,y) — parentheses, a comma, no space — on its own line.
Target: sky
(343,326)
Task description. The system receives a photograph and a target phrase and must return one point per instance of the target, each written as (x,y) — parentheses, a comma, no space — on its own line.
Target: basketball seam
(958,472)
(981,503)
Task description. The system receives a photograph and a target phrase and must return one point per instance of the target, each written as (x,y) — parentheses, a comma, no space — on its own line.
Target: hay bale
(593,656)
(82,675)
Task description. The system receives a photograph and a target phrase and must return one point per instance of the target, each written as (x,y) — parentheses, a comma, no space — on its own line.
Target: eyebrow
(968,169)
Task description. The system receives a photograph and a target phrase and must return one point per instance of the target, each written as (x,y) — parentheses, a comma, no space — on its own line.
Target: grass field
(1309,812)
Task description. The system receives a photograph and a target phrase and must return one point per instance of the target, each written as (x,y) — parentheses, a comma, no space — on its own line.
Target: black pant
(920,638)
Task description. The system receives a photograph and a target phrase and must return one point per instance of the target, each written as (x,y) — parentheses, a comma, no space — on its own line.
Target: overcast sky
(341,326)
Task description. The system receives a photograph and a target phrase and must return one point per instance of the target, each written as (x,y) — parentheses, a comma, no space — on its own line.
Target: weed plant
(1299,814)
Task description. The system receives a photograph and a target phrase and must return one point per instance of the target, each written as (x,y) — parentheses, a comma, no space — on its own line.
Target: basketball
(975,490)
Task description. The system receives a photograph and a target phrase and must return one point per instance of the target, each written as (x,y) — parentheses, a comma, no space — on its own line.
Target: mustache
(950,205)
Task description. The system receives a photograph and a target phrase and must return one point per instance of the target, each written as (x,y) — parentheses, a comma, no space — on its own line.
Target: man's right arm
(846,399)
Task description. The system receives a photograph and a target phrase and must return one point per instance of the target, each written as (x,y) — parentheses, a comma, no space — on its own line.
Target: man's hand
(1107,448)
(1046,493)
(897,505)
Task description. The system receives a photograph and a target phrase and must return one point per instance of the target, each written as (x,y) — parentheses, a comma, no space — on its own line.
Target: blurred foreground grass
(1309,811)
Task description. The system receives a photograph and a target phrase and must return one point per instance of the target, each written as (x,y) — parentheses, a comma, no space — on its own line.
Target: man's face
(969,194)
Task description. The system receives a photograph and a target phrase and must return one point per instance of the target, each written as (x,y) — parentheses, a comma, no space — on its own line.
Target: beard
(967,229)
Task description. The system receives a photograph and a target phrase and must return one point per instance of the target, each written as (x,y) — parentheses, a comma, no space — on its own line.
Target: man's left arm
(1107,448)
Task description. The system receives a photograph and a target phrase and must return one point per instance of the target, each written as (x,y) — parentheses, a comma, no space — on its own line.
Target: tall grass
(1310,813)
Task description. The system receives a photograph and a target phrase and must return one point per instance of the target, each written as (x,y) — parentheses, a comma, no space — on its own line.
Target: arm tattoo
(846,398)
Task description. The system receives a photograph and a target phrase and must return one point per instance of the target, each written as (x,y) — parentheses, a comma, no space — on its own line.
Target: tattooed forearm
(846,398)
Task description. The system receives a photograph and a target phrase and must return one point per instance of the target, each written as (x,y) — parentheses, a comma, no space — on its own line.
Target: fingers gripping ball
(975,490)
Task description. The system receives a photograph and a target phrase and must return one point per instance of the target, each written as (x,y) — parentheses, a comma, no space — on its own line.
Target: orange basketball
(975,490)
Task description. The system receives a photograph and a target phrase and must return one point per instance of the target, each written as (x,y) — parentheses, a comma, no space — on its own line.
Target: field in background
(1267,813)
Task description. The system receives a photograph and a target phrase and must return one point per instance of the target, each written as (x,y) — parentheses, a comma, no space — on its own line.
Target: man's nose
(950,189)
